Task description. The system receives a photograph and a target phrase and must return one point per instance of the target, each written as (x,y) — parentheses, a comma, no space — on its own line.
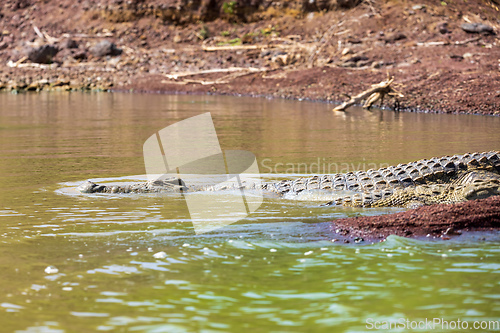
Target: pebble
(42,54)
(478,28)
(105,48)
(358,240)
(442,28)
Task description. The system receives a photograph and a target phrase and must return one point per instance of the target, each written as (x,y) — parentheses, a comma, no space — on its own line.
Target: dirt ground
(281,49)
(437,221)
(321,50)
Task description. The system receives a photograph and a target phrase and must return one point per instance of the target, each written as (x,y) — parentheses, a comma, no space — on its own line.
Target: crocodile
(447,179)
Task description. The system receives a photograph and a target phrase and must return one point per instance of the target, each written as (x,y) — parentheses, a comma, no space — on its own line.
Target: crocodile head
(90,187)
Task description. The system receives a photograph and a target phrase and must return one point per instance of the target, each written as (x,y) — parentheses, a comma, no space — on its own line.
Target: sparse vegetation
(203,33)
(229,8)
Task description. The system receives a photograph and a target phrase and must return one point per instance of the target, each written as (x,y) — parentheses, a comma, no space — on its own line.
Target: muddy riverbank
(436,221)
(291,49)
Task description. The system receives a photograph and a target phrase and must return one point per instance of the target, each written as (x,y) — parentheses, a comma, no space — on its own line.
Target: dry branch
(20,64)
(253,47)
(231,47)
(461,42)
(234,72)
(372,95)
(175,76)
(45,36)
(290,41)
(98,35)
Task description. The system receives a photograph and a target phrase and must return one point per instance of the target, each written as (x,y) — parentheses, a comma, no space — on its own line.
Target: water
(275,271)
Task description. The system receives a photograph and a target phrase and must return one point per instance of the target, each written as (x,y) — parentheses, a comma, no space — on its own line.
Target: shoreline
(284,50)
(444,58)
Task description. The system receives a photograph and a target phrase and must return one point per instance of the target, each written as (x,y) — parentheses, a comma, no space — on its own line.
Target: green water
(275,271)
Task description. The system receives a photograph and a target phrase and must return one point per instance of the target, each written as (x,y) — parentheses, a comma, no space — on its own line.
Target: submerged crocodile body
(447,179)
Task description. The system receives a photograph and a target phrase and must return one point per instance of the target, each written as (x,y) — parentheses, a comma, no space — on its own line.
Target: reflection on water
(133,262)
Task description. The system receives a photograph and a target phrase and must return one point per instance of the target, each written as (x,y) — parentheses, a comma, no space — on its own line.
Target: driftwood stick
(231,47)
(38,32)
(44,35)
(372,99)
(175,76)
(461,42)
(98,35)
(372,95)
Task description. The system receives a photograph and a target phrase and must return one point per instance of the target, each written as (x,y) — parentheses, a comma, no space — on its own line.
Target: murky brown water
(274,271)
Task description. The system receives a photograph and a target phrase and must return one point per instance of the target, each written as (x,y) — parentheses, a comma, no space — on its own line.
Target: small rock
(443,28)
(346,51)
(452,231)
(69,44)
(353,40)
(356,59)
(476,28)
(60,82)
(418,7)
(64,54)
(33,86)
(177,39)
(281,59)
(105,48)
(346,3)
(3,45)
(80,55)
(42,54)
(394,37)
